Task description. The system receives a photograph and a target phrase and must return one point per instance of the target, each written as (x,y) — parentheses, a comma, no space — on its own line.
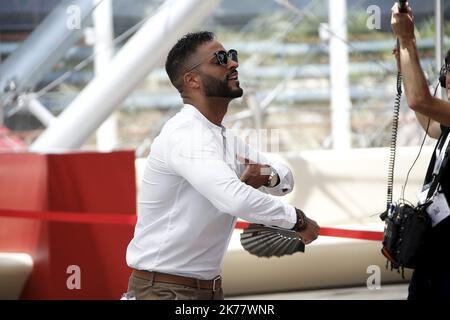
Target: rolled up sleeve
(286,184)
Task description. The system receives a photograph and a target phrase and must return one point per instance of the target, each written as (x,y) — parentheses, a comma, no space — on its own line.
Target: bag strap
(436,178)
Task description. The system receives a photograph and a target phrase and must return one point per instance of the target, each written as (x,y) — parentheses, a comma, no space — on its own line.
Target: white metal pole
(340,93)
(103,47)
(439,19)
(36,108)
(130,65)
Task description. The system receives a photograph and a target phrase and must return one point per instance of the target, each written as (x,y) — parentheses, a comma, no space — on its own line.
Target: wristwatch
(273,180)
(302,222)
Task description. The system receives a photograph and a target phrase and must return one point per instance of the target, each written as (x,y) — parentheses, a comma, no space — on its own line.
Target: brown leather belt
(213,284)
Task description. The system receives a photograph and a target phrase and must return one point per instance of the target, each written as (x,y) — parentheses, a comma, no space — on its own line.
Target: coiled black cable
(398,97)
(395,117)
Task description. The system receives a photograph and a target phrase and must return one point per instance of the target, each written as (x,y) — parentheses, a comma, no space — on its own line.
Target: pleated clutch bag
(264,241)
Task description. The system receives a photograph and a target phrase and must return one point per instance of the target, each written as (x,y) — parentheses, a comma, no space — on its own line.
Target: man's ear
(191,80)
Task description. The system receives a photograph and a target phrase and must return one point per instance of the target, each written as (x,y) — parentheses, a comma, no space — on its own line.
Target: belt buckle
(214,282)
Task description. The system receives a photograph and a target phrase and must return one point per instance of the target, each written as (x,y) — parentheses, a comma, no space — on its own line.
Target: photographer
(431,279)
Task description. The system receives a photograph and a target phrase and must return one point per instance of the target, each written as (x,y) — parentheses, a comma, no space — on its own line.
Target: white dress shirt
(191,196)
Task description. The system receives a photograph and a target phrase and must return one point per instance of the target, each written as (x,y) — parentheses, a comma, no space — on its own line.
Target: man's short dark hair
(181,52)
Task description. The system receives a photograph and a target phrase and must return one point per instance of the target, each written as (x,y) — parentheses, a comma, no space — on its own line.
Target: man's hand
(255,175)
(310,233)
(402,24)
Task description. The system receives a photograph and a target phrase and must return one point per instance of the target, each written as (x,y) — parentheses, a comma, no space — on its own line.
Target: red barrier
(336,232)
(93,218)
(85,183)
(71,217)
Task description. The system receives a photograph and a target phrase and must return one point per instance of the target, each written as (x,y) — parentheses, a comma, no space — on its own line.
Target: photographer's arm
(416,88)
(433,128)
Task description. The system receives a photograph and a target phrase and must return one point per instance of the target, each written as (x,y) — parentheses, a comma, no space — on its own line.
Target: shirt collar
(194,111)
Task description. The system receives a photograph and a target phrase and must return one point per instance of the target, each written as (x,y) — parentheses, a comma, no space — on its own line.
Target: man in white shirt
(195,185)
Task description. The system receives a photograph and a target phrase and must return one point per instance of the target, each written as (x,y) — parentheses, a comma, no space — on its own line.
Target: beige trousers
(144,289)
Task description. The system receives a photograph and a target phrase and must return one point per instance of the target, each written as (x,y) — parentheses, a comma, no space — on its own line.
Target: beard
(219,88)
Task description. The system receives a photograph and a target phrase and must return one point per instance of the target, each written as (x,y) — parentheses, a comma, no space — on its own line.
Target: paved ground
(386,292)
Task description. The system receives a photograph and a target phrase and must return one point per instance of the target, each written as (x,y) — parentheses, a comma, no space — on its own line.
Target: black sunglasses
(221,56)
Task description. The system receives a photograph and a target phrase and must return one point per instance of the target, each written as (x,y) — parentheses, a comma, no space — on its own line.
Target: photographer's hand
(402,24)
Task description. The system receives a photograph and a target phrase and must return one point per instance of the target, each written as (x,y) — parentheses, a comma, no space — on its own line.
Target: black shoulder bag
(407,227)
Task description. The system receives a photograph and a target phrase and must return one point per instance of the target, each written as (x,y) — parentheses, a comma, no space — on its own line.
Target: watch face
(272,180)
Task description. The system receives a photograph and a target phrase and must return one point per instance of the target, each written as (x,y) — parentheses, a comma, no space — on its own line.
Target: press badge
(438,210)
